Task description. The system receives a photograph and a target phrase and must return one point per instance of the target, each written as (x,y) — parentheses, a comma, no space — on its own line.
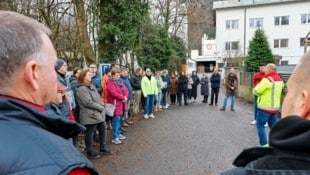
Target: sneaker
(106,152)
(93,155)
(116,141)
(152,115)
(266,125)
(222,109)
(253,122)
(121,137)
(166,107)
(232,109)
(146,116)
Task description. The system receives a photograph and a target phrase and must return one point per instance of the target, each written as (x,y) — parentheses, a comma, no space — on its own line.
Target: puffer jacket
(117,91)
(34,143)
(288,153)
(91,107)
(215,80)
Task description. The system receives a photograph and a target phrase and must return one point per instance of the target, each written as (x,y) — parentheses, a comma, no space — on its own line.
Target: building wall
(293,32)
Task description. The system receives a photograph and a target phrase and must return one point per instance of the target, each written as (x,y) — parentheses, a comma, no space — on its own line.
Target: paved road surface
(194,139)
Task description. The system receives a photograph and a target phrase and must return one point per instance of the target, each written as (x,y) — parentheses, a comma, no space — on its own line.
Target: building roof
(218,5)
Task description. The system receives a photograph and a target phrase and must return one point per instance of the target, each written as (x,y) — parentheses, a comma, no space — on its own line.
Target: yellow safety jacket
(269,92)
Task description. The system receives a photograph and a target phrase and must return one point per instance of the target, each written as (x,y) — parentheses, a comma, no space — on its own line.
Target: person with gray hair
(32,142)
(268,91)
(289,140)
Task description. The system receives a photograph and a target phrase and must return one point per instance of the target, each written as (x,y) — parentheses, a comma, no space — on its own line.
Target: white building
(285,22)
(208,59)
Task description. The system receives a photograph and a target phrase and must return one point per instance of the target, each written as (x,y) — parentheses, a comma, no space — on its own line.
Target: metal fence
(246,78)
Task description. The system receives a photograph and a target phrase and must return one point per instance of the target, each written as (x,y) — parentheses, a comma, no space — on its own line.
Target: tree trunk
(81,20)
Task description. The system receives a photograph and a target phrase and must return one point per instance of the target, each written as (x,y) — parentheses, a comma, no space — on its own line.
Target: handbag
(110,108)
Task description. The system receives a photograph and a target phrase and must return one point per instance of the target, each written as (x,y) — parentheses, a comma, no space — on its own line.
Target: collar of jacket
(18,112)
(289,138)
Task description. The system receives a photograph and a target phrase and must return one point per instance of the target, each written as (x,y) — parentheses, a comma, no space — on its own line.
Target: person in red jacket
(258,76)
(118,94)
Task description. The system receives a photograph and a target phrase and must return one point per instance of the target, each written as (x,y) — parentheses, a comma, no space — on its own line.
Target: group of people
(36,139)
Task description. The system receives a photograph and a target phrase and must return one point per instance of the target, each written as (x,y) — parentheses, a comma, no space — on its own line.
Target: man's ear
(304,107)
(31,74)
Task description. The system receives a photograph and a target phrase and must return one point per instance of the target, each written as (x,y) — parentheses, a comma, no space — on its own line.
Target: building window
(280,43)
(231,45)
(232,24)
(305,18)
(281,20)
(302,42)
(256,22)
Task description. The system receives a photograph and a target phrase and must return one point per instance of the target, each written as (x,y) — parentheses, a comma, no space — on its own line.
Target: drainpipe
(306,41)
(244,33)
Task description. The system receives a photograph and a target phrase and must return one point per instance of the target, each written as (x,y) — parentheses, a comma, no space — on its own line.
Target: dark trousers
(205,98)
(214,94)
(89,134)
(189,94)
(184,92)
(173,98)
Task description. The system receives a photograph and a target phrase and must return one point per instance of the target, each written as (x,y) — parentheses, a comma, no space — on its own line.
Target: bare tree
(171,14)
(81,20)
(201,17)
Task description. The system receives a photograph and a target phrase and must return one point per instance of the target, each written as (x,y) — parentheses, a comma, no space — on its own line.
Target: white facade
(236,23)
(208,59)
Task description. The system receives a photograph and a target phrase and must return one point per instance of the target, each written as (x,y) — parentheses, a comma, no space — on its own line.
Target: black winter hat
(59,63)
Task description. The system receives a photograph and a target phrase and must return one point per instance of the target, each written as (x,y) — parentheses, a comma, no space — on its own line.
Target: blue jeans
(158,100)
(116,126)
(149,104)
(255,106)
(164,98)
(232,104)
(261,118)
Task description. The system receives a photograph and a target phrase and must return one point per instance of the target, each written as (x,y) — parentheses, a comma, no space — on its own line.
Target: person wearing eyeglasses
(96,80)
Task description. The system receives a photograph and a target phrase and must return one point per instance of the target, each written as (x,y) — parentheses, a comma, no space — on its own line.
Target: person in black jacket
(215,80)
(73,84)
(196,82)
(289,140)
(182,88)
(32,142)
(135,82)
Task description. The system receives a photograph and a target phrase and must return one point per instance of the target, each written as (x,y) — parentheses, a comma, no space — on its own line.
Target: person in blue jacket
(215,80)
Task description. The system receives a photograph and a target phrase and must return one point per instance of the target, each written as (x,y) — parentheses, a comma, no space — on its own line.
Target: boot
(156,109)
(129,121)
(124,124)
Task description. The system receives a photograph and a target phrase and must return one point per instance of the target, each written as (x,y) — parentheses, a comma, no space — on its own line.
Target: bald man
(289,139)
(268,92)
